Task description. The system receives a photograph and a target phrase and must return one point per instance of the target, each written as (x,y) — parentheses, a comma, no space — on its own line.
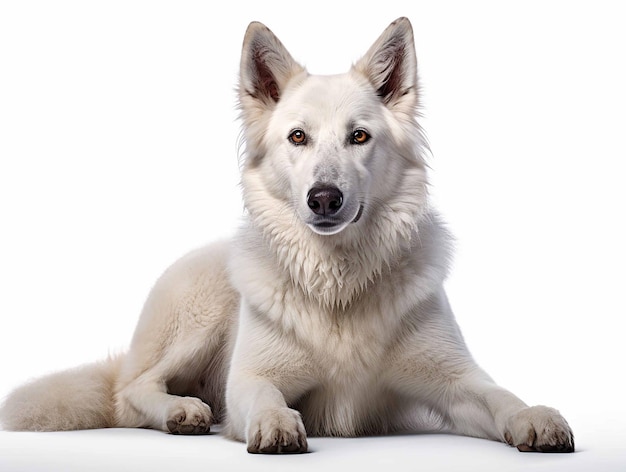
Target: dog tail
(79,398)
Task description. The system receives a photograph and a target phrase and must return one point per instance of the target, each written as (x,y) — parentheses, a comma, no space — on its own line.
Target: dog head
(331,152)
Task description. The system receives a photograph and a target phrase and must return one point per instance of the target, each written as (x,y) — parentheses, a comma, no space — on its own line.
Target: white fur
(326,324)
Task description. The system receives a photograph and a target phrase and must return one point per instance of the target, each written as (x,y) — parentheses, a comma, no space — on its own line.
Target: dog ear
(266,66)
(390,65)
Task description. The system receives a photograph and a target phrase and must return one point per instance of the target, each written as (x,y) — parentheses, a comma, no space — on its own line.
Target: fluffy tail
(80,398)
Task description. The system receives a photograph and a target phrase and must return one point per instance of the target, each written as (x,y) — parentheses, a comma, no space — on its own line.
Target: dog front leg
(435,368)
(259,415)
(478,407)
(267,372)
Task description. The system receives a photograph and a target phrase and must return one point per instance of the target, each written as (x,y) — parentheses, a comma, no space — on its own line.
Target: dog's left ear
(390,65)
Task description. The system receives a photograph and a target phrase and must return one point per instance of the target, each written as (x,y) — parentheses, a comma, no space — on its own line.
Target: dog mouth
(328,226)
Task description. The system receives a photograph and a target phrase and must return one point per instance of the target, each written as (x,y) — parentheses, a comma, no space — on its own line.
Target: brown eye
(359,136)
(297,137)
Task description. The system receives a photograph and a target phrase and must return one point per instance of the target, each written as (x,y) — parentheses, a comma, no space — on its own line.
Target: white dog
(326,314)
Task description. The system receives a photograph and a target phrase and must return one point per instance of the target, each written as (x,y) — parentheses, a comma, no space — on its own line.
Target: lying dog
(326,314)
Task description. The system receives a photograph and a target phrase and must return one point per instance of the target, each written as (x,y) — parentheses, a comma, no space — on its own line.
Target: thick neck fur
(335,270)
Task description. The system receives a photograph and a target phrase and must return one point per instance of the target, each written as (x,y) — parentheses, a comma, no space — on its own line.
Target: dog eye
(359,136)
(297,137)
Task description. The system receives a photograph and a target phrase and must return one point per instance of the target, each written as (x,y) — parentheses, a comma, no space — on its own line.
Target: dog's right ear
(266,67)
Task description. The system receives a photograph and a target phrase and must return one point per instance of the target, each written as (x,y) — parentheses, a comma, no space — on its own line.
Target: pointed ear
(391,66)
(266,66)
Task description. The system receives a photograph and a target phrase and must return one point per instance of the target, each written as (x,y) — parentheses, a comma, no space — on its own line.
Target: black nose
(324,200)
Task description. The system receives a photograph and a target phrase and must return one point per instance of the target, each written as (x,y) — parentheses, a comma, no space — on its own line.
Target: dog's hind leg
(174,393)
(176,365)
(145,402)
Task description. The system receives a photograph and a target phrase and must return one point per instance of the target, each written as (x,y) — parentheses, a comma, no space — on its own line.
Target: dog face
(328,152)
(323,136)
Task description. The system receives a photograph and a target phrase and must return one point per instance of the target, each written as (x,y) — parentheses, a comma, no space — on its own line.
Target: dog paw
(277,431)
(539,429)
(189,415)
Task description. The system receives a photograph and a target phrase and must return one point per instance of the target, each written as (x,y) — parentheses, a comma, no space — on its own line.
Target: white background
(118,154)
